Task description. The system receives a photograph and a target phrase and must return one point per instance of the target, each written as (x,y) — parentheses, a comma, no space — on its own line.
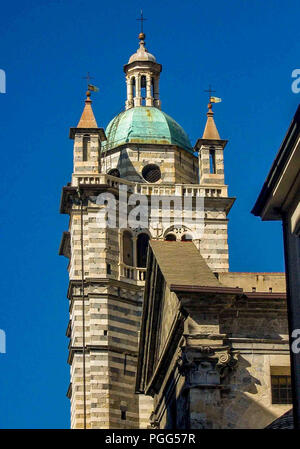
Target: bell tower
(147,156)
(106,278)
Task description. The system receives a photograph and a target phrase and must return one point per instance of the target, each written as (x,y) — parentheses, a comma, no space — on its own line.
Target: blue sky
(245,49)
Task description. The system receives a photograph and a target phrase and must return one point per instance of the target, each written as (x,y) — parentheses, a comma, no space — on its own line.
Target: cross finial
(142,20)
(210,90)
(88,78)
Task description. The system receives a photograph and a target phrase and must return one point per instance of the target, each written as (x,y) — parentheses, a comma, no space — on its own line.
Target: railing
(135,274)
(112,181)
(191,190)
(156,189)
(141,274)
(87,180)
(203,191)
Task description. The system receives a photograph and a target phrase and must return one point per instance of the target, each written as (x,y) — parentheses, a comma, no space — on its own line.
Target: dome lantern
(142,78)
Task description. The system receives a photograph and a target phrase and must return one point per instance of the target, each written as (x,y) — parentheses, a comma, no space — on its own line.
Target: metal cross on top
(88,78)
(142,20)
(210,90)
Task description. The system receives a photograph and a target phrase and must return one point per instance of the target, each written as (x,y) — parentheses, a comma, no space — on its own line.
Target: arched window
(85,147)
(142,249)
(143,89)
(127,248)
(114,172)
(212,161)
(187,237)
(152,87)
(133,86)
(170,238)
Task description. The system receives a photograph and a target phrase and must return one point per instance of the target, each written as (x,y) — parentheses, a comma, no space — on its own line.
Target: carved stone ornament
(184,363)
(206,366)
(156,230)
(226,362)
(179,231)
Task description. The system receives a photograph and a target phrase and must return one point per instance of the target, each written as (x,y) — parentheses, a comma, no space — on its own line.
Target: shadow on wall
(128,171)
(245,404)
(126,168)
(242,403)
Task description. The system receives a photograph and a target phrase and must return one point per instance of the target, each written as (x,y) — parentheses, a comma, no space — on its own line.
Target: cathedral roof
(181,263)
(145,124)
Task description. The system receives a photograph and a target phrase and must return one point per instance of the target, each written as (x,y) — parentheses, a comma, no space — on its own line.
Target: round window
(151,173)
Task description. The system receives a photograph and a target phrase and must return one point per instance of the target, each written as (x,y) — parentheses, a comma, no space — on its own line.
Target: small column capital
(205,365)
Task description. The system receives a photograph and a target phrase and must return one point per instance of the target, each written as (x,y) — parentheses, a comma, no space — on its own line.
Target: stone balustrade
(191,190)
(134,274)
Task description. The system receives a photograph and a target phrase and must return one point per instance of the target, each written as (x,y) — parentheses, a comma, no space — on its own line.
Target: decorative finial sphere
(88,93)
(142,36)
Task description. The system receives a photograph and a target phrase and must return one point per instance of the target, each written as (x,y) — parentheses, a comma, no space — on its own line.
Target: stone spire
(87,119)
(210,130)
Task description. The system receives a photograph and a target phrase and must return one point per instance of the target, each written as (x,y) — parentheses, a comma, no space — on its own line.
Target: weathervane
(211,98)
(88,78)
(90,87)
(210,90)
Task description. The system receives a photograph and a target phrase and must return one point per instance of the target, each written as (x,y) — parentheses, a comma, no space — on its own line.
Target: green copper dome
(145,124)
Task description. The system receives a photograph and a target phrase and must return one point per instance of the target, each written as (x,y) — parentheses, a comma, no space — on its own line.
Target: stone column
(203,367)
(134,256)
(138,98)
(157,102)
(129,101)
(149,98)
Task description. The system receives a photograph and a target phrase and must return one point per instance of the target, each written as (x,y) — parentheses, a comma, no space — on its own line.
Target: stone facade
(113,297)
(176,166)
(209,352)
